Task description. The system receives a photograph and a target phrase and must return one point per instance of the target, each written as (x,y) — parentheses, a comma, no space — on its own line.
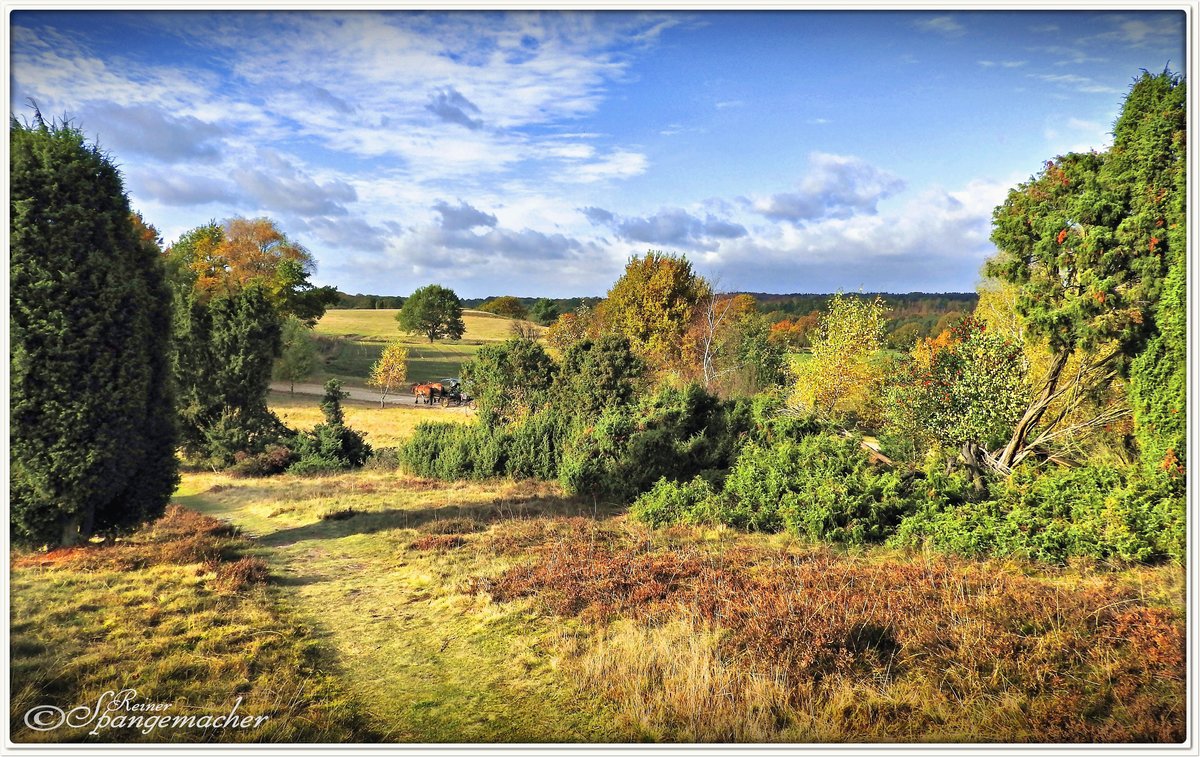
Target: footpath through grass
(504,611)
(370,563)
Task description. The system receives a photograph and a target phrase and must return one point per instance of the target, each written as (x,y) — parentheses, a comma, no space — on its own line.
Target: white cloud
(946,26)
(835,186)
(1076,83)
(619,164)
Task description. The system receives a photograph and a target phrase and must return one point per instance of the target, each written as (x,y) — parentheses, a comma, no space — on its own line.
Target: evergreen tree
(298,356)
(91,436)
(1090,243)
(1149,159)
(331,445)
(544,311)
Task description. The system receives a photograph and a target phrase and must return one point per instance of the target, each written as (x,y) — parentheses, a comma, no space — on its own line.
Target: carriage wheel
(445,402)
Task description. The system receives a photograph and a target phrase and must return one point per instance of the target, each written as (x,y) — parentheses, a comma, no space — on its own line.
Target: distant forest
(910,316)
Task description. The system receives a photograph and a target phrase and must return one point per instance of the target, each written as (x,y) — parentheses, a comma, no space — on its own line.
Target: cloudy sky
(532,154)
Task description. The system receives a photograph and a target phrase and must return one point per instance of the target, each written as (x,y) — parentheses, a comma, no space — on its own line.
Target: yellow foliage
(843,372)
(390,370)
(652,304)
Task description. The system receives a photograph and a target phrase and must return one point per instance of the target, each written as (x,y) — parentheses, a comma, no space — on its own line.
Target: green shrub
(597,374)
(674,502)
(822,486)
(331,445)
(535,446)
(274,459)
(1101,512)
(510,380)
(234,433)
(675,433)
(452,451)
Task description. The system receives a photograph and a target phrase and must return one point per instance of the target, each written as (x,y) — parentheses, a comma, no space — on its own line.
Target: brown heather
(849,648)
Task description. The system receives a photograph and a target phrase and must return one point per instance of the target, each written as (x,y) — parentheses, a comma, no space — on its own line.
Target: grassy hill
(351,340)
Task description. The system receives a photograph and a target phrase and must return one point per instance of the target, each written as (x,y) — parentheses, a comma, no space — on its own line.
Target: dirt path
(356,393)
(427,658)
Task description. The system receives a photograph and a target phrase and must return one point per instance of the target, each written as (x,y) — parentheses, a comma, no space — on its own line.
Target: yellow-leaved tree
(390,371)
(652,304)
(843,370)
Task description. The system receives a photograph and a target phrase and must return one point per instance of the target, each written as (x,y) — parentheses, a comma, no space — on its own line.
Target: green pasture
(350,341)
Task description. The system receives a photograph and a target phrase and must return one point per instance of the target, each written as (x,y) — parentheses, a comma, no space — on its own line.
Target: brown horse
(430,391)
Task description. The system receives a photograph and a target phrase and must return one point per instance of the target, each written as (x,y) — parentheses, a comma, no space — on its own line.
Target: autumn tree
(794,334)
(298,354)
(841,373)
(964,390)
(390,371)
(91,431)
(1085,241)
(434,312)
(226,258)
(652,305)
(728,343)
(506,306)
(570,328)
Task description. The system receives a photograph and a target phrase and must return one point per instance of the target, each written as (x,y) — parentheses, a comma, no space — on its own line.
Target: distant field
(380,325)
(352,341)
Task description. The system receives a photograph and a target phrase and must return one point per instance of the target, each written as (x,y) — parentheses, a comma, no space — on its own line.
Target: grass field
(380,326)
(180,613)
(350,341)
(384,427)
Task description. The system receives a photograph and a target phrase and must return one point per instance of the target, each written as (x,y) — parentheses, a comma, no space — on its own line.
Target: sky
(533,153)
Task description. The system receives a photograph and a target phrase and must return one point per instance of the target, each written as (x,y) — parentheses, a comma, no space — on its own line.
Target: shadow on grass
(350,523)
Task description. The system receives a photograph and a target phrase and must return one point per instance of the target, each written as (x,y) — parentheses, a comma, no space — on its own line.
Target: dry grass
(504,611)
(182,615)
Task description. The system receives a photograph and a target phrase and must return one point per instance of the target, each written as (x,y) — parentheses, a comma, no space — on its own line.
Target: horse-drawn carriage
(447,392)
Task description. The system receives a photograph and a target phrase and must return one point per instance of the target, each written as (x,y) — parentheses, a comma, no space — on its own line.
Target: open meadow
(350,341)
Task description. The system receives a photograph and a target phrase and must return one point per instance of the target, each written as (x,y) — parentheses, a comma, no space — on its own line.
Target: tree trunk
(1016,444)
(89,523)
(70,532)
(972,457)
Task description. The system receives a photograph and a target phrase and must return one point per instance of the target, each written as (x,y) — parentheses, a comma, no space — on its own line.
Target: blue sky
(533,153)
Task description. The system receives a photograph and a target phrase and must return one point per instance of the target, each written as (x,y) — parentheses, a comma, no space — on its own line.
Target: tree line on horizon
(793,317)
